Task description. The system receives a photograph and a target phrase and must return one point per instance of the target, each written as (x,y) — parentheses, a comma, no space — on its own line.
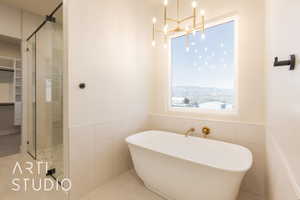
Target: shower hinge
(50,18)
(50,172)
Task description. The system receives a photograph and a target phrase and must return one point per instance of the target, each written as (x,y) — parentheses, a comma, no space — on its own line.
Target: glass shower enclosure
(45,94)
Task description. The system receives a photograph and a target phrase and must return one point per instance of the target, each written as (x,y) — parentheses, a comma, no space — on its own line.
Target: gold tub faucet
(189,132)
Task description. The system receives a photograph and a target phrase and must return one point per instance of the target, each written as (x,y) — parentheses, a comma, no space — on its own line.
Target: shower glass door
(48,95)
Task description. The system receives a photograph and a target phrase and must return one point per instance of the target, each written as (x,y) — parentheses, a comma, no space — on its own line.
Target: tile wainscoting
(249,135)
(280,180)
(98,152)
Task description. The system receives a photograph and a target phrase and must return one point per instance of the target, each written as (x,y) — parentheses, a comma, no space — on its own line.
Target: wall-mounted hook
(82,86)
(291,62)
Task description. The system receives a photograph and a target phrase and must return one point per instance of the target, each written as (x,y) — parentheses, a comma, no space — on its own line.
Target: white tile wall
(117,69)
(99,153)
(279,178)
(81,160)
(251,136)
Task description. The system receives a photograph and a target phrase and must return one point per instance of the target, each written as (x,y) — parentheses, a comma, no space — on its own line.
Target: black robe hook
(291,62)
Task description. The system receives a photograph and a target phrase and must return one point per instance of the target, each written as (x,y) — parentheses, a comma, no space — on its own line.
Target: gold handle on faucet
(205,131)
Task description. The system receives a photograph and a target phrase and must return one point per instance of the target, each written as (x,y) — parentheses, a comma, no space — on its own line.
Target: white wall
(29,23)
(109,46)
(283,93)
(281,182)
(246,128)
(10,21)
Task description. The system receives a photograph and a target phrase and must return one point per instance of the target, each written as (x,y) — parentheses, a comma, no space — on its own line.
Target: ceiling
(39,7)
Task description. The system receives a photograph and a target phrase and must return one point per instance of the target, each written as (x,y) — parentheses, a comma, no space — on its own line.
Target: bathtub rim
(242,170)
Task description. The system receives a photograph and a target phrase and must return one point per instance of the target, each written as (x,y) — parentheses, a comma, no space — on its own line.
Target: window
(203,73)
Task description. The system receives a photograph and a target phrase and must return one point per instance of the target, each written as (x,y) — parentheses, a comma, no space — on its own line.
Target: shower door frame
(48,18)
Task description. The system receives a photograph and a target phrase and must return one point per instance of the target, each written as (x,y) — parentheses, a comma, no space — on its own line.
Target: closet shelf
(7,69)
(7,104)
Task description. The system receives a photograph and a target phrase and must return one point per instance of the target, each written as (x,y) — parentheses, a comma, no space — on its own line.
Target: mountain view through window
(203,73)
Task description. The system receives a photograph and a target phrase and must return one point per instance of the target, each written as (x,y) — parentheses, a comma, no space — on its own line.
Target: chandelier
(173,26)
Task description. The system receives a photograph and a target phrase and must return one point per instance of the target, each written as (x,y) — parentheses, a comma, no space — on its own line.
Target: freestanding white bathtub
(189,168)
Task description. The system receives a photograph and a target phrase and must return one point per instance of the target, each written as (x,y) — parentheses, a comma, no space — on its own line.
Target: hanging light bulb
(202,13)
(153,43)
(203,36)
(154,20)
(165,2)
(194,4)
(166,29)
(191,27)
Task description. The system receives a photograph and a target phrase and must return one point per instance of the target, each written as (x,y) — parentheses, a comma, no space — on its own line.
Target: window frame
(235,110)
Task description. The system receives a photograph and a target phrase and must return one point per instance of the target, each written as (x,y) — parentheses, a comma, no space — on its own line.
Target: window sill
(233,112)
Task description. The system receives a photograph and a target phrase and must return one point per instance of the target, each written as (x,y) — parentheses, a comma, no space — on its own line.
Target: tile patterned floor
(54,157)
(129,187)
(7,165)
(125,187)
